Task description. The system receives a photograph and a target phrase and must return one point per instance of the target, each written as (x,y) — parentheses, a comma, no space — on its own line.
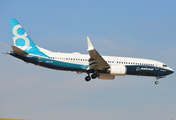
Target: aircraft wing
(96,61)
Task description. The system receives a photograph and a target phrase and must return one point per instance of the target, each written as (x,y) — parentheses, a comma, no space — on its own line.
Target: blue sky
(143,29)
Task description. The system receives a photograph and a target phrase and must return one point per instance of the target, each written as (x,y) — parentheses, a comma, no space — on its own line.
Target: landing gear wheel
(88,78)
(156,82)
(93,76)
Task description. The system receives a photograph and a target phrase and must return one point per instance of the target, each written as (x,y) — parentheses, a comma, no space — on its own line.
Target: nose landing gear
(156,82)
(157,78)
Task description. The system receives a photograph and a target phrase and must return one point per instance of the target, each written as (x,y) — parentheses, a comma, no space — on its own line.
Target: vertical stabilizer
(22,40)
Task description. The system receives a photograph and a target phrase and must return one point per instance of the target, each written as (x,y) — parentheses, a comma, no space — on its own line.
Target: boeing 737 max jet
(94,64)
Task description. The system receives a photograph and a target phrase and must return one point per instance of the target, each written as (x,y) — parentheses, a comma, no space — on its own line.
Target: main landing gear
(93,76)
(87,78)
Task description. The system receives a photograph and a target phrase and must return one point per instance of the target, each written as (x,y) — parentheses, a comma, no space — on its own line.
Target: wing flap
(96,61)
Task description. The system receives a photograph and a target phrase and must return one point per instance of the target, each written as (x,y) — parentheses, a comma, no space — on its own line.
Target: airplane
(94,64)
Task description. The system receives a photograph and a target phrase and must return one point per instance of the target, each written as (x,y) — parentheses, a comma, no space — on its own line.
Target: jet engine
(119,70)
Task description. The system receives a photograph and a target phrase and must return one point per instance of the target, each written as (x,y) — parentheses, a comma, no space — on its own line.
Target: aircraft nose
(170,71)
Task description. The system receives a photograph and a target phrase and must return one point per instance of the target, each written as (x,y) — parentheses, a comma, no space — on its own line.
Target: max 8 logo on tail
(20,38)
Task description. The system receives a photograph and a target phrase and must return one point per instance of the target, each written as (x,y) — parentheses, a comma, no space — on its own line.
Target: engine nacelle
(118,70)
(106,76)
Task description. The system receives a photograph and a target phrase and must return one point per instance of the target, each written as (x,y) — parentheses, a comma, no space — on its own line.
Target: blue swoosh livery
(93,64)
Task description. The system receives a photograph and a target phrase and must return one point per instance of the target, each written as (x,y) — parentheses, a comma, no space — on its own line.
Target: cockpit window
(164,65)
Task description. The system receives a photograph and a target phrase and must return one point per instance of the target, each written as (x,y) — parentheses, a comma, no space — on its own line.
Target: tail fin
(22,40)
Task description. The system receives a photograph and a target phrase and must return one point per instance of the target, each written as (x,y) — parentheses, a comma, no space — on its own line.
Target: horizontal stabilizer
(17,50)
